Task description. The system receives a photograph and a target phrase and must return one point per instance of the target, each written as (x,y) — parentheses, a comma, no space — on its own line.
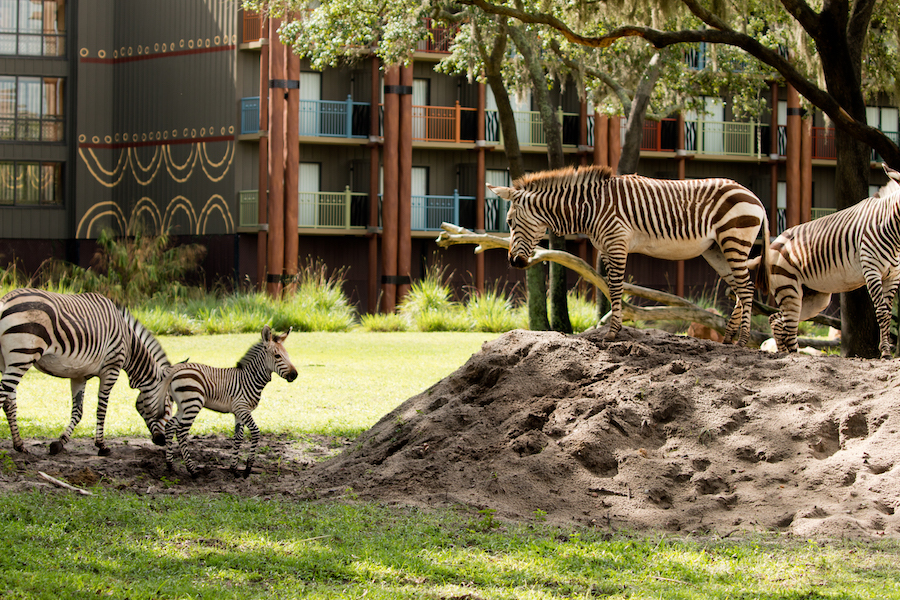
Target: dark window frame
(21,38)
(38,197)
(24,126)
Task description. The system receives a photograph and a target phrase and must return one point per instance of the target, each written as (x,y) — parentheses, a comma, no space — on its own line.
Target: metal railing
(249,115)
(818,213)
(332,118)
(438,40)
(326,210)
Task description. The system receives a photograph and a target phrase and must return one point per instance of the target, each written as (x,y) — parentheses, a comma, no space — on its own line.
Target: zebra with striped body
(234,390)
(718,219)
(841,252)
(79,336)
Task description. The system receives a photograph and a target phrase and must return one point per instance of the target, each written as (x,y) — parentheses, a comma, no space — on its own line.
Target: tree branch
(678,308)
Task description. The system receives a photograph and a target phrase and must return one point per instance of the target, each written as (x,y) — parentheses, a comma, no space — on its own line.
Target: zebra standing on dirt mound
(79,336)
(234,390)
(718,219)
(841,252)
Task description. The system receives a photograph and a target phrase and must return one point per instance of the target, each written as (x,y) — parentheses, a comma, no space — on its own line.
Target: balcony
(317,210)
(438,40)
(350,211)
(251,27)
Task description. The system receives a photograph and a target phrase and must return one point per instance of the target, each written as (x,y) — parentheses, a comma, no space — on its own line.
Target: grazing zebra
(79,336)
(841,252)
(715,218)
(235,390)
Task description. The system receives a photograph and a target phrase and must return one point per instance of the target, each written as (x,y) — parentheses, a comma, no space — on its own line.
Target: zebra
(718,219)
(234,390)
(79,336)
(840,252)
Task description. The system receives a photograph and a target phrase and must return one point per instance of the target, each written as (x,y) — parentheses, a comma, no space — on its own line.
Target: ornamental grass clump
(493,311)
(428,305)
(318,303)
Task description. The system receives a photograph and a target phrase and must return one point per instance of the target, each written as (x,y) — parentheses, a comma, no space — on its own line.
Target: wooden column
(681,154)
(806,169)
(291,167)
(774,160)
(374,164)
(601,139)
(262,193)
(480,176)
(793,157)
(404,200)
(389,208)
(615,142)
(275,246)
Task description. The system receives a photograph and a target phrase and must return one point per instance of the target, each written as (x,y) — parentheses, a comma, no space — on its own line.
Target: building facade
(190,117)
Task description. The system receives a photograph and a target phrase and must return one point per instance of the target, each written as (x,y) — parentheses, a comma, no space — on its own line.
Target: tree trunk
(634,126)
(535,278)
(559,308)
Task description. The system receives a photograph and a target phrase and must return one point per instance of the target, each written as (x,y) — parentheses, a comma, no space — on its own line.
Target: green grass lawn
(346,382)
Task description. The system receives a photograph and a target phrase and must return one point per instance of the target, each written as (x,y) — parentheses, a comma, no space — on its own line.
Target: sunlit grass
(346,382)
(124,545)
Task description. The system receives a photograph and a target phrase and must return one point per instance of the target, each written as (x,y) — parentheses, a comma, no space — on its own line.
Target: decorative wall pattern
(100,215)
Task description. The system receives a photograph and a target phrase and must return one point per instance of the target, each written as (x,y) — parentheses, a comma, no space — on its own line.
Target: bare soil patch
(649,432)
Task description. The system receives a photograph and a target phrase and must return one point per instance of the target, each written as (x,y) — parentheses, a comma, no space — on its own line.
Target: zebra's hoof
(20,448)
(159,439)
(56,447)
(247,472)
(103,451)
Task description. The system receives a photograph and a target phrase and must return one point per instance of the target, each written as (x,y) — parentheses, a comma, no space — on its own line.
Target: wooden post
(262,193)
(480,146)
(681,154)
(793,157)
(805,169)
(404,199)
(601,139)
(275,247)
(374,164)
(291,167)
(615,142)
(389,208)
(774,159)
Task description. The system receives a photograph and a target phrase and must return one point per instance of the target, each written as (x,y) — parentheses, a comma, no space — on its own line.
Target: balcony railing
(818,213)
(439,39)
(326,210)
(823,143)
(249,115)
(330,118)
(251,27)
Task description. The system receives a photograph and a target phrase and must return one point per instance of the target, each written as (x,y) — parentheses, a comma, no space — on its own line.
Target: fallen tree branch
(677,308)
(65,485)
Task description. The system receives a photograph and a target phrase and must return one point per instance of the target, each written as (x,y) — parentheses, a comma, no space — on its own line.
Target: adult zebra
(234,390)
(79,336)
(718,219)
(841,252)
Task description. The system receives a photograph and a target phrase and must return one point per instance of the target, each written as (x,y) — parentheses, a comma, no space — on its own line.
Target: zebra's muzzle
(291,376)
(518,261)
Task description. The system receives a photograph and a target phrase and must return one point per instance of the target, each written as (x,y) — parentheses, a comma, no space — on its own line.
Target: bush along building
(189,116)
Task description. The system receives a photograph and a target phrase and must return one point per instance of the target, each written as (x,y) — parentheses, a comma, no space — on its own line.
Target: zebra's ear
(266,333)
(504,192)
(892,173)
(280,338)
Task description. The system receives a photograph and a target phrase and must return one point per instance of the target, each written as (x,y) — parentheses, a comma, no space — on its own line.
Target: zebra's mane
(888,189)
(254,351)
(143,337)
(563,177)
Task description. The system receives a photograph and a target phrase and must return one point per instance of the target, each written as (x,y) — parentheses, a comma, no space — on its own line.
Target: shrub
(428,307)
(383,322)
(493,311)
(582,311)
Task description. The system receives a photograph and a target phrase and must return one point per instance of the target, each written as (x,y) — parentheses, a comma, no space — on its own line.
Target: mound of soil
(648,432)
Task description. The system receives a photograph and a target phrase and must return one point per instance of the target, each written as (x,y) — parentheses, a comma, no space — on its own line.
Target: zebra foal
(841,252)
(79,336)
(717,219)
(234,390)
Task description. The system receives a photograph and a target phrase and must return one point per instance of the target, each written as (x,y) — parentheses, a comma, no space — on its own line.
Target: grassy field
(346,382)
(160,546)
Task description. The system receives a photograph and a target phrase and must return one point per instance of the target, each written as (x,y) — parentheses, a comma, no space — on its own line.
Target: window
(30,184)
(33,27)
(31,109)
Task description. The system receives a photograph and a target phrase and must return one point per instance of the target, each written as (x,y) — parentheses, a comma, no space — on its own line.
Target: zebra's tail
(762,272)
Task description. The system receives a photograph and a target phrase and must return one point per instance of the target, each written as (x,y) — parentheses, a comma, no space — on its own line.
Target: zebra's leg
(737,276)
(108,379)
(236,443)
(882,310)
(77,386)
(171,426)
(182,428)
(615,268)
(247,419)
(8,384)
(890,291)
(776,323)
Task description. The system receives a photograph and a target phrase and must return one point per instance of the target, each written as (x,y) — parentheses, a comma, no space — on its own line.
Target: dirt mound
(652,431)
(649,432)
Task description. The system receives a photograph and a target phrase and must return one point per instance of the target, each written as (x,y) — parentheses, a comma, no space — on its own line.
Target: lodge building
(189,116)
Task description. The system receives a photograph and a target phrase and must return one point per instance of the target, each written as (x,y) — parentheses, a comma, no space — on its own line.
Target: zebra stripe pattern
(718,219)
(841,252)
(78,337)
(234,390)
